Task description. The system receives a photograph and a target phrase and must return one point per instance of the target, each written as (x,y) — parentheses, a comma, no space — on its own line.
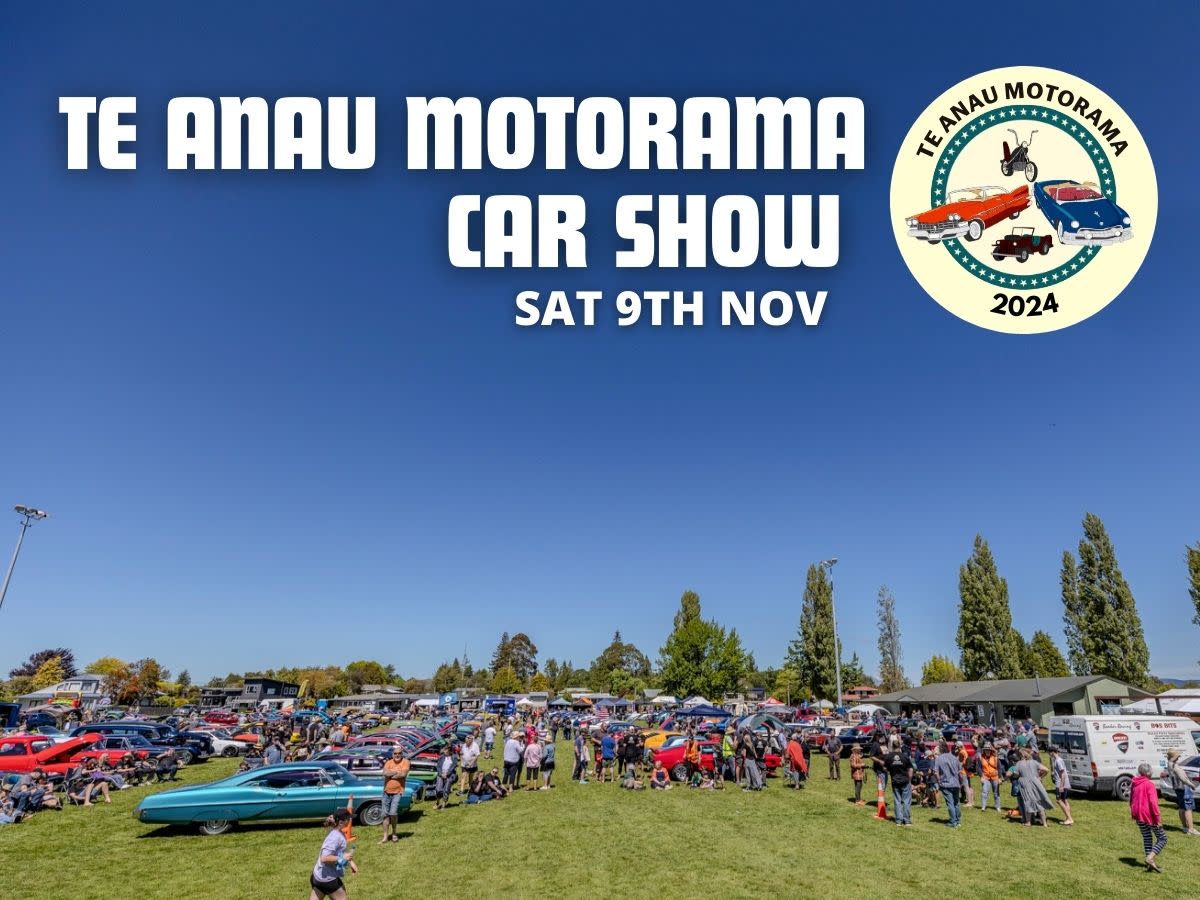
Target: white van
(1102,753)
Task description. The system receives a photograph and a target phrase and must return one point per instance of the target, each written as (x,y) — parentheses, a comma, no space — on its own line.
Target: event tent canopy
(665,700)
(558,701)
(867,709)
(426,702)
(705,709)
(696,700)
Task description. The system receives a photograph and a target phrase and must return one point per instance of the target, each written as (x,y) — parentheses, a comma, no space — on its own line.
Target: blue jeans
(950,794)
(990,786)
(902,800)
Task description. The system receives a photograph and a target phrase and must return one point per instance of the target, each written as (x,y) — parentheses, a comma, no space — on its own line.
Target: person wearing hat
(1185,791)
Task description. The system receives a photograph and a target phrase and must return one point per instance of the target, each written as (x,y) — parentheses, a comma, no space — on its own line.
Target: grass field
(599,840)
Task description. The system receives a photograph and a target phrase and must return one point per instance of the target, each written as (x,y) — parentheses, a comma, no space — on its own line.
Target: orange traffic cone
(880,803)
(348,831)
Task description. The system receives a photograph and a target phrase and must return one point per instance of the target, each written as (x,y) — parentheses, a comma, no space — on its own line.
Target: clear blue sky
(275,426)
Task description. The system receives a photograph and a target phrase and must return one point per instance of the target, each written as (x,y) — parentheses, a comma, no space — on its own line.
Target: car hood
(1100,213)
(965,208)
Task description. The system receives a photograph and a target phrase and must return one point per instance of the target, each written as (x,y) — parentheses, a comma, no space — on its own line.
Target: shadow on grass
(1133,862)
(163,831)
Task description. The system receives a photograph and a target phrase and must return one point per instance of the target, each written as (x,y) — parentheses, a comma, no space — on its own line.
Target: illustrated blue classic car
(307,790)
(1081,214)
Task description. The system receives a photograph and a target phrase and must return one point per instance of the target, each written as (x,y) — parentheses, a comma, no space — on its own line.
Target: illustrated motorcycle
(1017,159)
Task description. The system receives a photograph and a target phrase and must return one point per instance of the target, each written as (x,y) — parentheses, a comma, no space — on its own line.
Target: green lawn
(598,839)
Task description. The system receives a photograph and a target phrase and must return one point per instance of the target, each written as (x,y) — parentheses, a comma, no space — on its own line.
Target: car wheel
(1044,248)
(230,751)
(1005,169)
(1031,172)
(1023,256)
(934,242)
(997,258)
(974,230)
(679,772)
(371,814)
(183,757)
(1122,788)
(1015,215)
(214,827)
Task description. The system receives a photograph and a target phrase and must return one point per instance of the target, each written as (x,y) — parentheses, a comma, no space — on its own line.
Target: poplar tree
(985,633)
(1112,636)
(1193,564)
(1074,616)
(891,668)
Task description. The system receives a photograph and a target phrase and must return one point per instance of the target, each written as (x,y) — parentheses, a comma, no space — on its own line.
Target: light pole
(827,565)
(30,515)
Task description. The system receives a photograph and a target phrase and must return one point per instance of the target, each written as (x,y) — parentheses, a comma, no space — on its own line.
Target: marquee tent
(695,700)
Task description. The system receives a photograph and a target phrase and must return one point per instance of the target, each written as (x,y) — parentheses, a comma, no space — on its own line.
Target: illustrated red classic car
(671,755)
(26,752)
(967,212)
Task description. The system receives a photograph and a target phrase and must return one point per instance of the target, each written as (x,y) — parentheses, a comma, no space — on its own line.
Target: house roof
(999,691)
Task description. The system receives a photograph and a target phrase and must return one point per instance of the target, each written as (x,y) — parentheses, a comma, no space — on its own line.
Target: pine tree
(1112,638)
(891,668)
(814,653)
(502,655)
(986,637)
(1042,657)
(1074,616)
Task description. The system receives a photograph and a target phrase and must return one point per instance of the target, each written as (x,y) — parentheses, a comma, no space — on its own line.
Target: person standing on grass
(489,740)
(1034,799)
(967,764)
(445,777)
(533,764)
(754,780)
(879,753)
(899,766)
(1185,791)
(833,749)
(608,753)
(948,772)
(512,760)
(729,752)
(989,775)
(332,861)
(1143,807)
(470,763)
(547,764)
(858,770)
(691,755)
(581,758)
(1062,783)
(797,764)
(395,775)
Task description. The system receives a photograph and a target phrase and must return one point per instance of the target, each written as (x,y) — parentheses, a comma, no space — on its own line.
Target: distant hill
(1181,682)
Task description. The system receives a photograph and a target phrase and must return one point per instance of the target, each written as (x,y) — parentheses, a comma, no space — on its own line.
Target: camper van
(1102,753)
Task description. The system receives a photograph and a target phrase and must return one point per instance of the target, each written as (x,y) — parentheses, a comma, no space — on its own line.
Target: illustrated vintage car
(307,790)
(1081,214)
(967,212)
(1022,242)
(671,755)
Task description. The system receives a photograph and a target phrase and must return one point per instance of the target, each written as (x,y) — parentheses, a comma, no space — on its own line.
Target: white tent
(695,700)
(1189,706)
(866,709)
(524,701)
(664,700)
(823,704)
(426,702)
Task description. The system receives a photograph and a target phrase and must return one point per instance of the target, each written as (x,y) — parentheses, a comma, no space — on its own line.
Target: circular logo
(1023,200)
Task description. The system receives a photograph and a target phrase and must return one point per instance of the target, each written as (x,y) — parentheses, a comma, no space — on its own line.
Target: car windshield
(1073,193)
(962,195)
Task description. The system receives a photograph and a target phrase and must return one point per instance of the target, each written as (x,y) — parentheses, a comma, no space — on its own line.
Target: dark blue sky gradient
(275,426)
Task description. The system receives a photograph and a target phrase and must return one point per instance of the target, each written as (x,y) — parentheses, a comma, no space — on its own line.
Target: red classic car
(221,717)
(26,752)
(671,755)
(110,749)
(967,212)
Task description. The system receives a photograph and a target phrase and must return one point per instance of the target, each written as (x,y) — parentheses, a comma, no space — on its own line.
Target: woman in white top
(332,861)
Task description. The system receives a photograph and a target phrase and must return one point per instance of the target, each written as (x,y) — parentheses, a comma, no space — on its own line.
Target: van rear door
(1075,756)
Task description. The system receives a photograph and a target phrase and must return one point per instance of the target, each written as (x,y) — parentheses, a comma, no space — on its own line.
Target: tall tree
(49,673)
(1113,639)
(811,654)
(891,666)
(29,668)
(184,680)
(619,655)
(505,681)
(1074,615)
(1042,657)
(700,656)
(1193,564)
(939,670)
(853,673)
(986,636)
(366,671)
(522,656)
(500,657)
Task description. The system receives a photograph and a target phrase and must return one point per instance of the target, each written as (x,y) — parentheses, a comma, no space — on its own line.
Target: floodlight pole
(29,516)
(828,565)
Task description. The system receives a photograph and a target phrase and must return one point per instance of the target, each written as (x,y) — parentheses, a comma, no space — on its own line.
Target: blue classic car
(1081,214)
(305,790)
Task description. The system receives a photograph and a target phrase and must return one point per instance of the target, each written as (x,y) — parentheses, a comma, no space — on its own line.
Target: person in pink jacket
(1143,806)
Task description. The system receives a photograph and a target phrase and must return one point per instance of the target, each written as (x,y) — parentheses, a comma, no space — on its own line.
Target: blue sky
(274,425)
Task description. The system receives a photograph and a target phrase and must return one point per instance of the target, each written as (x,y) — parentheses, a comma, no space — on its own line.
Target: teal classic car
(302,790)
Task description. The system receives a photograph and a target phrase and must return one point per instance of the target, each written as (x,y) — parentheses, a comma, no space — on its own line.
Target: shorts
(547,767)
(325,888)
(391,804)
(607,763)
(470,770)
(1060,794)
(531,772)
(1185,798)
